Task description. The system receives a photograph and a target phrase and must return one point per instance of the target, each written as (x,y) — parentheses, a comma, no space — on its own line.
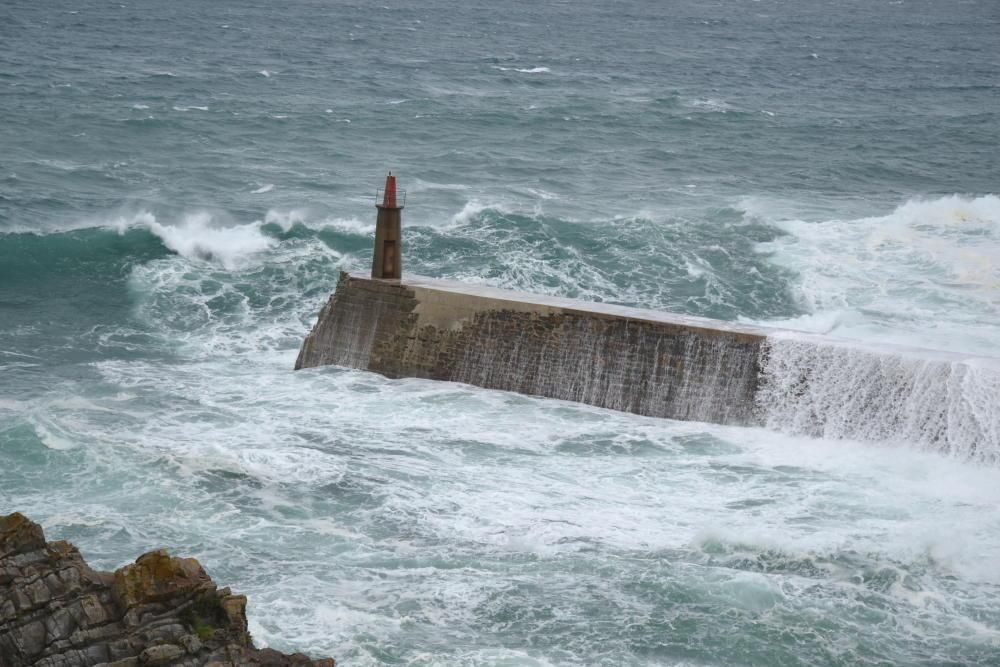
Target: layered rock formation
(55,611)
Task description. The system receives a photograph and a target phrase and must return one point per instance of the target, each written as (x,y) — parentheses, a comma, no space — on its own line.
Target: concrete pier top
(507,299)
(501,298)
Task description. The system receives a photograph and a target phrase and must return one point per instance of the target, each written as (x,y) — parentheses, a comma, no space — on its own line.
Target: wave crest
(198,236)
(926,274)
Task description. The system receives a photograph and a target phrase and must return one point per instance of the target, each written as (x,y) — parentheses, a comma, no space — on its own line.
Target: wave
(474,209)
(313,221)
(678,263)
(710,105)
(198,236)
(926,274)
(702,269)
(27,257)
(524,70)
(136,237)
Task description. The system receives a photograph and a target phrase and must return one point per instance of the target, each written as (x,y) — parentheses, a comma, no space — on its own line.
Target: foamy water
(357,511)
(925,274)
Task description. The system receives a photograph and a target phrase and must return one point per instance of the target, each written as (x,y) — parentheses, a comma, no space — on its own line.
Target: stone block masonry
(627,359)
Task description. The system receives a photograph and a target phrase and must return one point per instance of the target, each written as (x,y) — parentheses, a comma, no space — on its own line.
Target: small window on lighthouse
(389,259)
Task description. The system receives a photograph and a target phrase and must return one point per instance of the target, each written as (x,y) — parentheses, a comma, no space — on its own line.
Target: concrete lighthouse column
(387,261)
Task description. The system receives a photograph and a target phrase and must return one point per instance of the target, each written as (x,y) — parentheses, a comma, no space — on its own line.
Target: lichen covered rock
(55,611)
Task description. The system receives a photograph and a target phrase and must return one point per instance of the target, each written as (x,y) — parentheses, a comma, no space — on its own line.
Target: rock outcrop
(55,611)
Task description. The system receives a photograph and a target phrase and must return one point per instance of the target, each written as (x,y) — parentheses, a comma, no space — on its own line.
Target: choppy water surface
(181,183)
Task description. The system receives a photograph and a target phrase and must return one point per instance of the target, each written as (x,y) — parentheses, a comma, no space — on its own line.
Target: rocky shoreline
(56,611)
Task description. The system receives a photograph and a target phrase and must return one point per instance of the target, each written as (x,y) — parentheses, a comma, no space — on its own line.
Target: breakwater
(659,364)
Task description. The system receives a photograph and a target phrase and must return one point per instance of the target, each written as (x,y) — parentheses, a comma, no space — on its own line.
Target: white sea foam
(199,236)
(303,466)
(288,219)
(350,226)
(63,165)
(927,274)
(52,436)
(264,73)
(744,520)
(541,506)
(9,404)
(697,268)
(264,188)
(472,208)
(420,185)
(710,104)
(60,520)
(542,194)
(524,70)
(11,353)
(825,322)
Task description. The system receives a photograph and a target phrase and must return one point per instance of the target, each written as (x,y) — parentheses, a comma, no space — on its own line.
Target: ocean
(181,184)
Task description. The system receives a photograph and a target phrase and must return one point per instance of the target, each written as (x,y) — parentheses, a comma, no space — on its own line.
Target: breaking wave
(926,274)
(198,236)
(921,399)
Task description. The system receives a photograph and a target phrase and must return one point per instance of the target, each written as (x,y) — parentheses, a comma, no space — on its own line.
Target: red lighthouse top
(389,197)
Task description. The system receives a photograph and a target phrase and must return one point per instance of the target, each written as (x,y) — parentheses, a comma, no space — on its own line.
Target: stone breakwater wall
(609,356)
(661,364)
(55,611)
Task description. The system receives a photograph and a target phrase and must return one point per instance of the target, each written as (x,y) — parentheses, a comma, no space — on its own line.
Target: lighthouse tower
(387,263)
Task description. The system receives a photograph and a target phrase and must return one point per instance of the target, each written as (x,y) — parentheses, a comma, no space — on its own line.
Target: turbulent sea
(180,184)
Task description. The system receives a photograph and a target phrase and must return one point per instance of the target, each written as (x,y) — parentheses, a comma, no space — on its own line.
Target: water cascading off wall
(841,390)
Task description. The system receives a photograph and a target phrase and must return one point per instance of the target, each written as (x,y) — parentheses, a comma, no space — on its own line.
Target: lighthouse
(387,262)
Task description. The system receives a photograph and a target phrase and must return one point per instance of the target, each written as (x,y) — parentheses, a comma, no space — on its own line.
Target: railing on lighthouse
(383,198)
(387,260)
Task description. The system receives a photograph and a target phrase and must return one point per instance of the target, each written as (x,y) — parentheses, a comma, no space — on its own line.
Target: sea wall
(661,364)
(609,356)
